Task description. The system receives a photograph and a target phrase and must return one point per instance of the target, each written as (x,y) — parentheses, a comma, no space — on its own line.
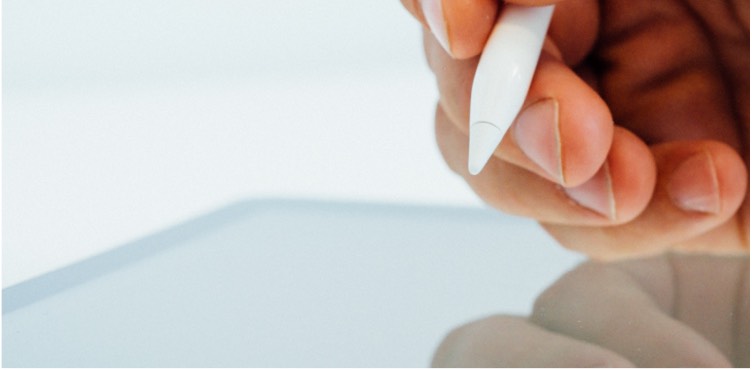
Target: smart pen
(503,77)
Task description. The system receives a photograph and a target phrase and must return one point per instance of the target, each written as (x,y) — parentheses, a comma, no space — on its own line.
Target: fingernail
(434,13)
(537,134)
(694,185)
(596,194)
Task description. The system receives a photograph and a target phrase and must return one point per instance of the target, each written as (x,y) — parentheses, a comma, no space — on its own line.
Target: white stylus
(503,77)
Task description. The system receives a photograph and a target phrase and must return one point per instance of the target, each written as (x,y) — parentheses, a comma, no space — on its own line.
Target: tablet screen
(284,283)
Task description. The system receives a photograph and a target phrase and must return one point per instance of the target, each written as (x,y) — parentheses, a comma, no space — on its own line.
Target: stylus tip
(484,138)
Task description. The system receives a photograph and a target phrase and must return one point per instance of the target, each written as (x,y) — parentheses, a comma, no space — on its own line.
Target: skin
(642,88)
(669,311)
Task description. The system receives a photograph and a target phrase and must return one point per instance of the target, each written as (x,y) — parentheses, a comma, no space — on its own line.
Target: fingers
(604,306)
(694,87)
(566,134)
(507,341)
(616,194)
(564,130)
(699,189)
(627,211)
(462,27)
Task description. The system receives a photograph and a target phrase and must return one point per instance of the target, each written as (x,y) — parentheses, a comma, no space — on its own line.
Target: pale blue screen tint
(283,283)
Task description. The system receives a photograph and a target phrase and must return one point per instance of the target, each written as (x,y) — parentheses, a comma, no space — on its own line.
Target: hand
(670,173)
(670,311)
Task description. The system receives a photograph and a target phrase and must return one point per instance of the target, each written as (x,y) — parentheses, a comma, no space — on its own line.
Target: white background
(124,117)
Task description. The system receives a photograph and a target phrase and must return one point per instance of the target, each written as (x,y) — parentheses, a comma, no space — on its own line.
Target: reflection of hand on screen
(672,311)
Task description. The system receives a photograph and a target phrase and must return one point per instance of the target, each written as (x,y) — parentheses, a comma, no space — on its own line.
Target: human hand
(668,311)
(672,75)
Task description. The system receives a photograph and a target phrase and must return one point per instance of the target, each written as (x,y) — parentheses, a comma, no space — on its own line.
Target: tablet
(284,283)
